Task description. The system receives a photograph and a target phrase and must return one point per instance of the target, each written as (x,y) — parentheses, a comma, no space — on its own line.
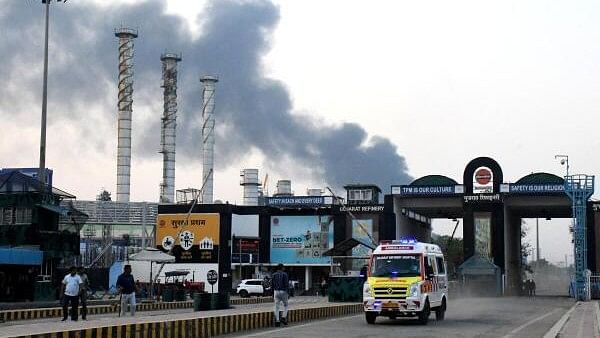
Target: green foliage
(452,249)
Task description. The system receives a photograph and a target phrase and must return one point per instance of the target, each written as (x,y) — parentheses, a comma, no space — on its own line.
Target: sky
(319,92)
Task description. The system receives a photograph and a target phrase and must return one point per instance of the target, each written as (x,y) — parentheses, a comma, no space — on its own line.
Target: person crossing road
(280,295)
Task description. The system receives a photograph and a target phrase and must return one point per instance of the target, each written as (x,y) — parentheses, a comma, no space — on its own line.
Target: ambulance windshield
(396,266)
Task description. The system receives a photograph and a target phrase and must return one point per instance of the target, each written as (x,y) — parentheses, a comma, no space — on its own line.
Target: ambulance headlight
(415,289)
(366,290)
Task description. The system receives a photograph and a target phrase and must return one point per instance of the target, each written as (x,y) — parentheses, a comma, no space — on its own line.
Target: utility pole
(42,168)
(537,239)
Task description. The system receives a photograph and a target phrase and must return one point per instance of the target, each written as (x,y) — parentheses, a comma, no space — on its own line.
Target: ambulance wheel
(440,313)
(424,315)
(370,317)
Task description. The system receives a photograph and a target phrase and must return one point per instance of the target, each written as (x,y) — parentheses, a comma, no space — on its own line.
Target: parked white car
(249,287)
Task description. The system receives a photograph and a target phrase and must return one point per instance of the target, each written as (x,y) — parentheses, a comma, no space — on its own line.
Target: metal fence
(594,286)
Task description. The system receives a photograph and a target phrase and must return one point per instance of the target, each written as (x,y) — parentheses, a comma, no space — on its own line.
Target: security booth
(348,272)
(480,277)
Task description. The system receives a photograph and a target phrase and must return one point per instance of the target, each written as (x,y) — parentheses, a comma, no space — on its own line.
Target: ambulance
(406,278)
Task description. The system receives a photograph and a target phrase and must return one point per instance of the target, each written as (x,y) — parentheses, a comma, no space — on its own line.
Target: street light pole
(564,159)
(537,239)
(42,168)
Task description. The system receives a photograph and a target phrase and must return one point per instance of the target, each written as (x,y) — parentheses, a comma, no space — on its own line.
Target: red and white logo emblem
(483,176)
(483,181)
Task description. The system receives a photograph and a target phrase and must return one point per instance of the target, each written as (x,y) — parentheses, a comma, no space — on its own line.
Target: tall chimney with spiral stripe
(168,125)
(208,136)
(126,36)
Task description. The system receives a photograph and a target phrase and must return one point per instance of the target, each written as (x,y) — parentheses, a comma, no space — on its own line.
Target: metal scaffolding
(580,188)
(138,217)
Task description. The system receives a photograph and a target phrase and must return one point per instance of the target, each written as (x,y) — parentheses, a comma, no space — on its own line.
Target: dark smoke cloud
(254,110)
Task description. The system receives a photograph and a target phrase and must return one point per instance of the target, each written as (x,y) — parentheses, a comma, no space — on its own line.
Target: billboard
(301,239)
(244,225)
(190,240)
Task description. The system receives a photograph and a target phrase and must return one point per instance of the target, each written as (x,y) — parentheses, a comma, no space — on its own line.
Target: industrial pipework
(126,36)
(168,125)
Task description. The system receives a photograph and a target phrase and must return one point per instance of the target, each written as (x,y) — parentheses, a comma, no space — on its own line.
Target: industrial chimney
(168,125)
(126,36)
(284,189)
(250,183)
(208,137)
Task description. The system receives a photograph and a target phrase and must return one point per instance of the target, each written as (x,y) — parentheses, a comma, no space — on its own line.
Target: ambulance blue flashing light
(406,240)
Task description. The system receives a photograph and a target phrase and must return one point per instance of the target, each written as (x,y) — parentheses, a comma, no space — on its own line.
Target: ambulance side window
(441,268)
(429,266)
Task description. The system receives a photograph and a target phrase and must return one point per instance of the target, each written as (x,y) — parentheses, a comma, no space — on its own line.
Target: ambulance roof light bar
(406,240)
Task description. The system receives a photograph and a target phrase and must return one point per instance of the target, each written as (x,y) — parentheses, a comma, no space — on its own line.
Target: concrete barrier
(28,314)
(204,327)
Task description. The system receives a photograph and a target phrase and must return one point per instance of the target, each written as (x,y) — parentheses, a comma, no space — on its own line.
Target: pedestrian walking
(70,291)
(280,295)
(323,287)
(126,286)
(85,286)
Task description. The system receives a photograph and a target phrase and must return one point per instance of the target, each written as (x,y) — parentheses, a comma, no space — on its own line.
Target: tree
(526,248)
(104,196)
(452,249)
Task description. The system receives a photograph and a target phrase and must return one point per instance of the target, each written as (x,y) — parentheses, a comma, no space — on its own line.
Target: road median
(56,312)
(194,325)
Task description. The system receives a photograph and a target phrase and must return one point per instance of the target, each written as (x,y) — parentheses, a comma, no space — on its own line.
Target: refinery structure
(118,227)
(304,230)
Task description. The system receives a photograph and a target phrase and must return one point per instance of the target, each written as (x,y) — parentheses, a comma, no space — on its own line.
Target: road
(473,317)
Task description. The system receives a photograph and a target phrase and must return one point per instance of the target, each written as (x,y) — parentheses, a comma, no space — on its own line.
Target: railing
(594,286)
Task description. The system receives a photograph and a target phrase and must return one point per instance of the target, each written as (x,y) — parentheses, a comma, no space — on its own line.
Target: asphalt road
(473,317)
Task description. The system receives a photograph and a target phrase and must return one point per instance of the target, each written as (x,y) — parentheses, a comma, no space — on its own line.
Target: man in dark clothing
(280,294)
(126,286)
(85,285)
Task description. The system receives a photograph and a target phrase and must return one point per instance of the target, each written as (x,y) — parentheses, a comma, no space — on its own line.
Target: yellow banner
(201,226)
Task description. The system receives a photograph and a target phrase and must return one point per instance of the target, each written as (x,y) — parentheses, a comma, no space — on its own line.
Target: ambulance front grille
(390,292)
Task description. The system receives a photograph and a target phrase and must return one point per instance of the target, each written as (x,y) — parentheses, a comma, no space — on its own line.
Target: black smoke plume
(253,111)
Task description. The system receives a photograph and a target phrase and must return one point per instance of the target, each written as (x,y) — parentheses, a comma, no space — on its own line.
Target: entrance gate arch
(492,212)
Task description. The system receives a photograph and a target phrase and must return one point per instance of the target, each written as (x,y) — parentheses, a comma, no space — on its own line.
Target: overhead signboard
(296,201)
(190,240)
(435,190)
(377,208)
(483,198)
(514,188)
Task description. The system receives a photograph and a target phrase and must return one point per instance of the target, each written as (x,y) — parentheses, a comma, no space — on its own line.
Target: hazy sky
(443,81)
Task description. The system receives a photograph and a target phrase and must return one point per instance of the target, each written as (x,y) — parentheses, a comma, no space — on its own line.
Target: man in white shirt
(70,293)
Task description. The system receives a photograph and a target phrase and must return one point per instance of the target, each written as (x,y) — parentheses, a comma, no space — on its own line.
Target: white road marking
(519,328)
(555,329)
(297,326)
